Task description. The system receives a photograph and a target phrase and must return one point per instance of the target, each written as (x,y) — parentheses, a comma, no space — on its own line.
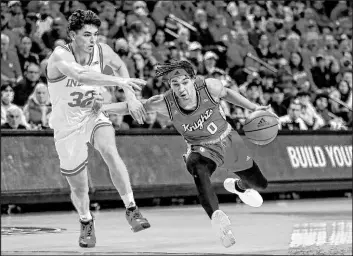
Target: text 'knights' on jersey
(206,123)
(71,100)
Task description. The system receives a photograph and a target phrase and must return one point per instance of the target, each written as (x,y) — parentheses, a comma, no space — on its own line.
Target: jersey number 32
(81,100)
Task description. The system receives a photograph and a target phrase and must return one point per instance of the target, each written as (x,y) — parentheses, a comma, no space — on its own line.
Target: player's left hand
(97,101)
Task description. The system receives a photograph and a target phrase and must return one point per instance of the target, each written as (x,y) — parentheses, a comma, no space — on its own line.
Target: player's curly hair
(79,18)
(164,69)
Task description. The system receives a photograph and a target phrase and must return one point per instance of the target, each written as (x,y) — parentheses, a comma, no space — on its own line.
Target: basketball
(261,127)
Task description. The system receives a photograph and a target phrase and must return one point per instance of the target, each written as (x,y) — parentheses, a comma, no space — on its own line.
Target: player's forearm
(120,108)
(239,100)
(93,78)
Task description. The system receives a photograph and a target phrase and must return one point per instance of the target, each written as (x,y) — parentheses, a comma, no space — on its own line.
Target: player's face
(86,38)
(182,86)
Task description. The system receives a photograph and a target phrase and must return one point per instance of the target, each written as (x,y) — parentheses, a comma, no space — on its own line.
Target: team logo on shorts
(7,231)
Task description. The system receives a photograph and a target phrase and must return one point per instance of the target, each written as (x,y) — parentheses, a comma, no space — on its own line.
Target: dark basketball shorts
(230,153)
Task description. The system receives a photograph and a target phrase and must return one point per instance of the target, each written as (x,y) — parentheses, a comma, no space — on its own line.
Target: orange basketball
(261,127)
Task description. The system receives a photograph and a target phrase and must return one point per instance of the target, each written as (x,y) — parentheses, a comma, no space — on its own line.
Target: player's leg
(250,176)
(202,168)
(104,142)
(80,199)
(72,151)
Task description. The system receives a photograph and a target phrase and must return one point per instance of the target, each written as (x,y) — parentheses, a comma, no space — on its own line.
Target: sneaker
(136,220)
(221,224)
(88,236)
(249,196)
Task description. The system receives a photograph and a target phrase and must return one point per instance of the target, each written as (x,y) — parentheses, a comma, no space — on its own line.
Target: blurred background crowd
(308,42)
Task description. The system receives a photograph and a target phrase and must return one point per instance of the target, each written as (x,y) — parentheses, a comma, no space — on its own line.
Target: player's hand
(137,110)
(133,83)
(97,101)
(266,108)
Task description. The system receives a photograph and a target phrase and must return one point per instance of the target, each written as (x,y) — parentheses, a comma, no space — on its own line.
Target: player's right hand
(137,110)
(133,83)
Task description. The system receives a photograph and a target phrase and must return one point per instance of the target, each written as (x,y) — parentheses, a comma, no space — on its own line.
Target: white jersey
(72,101)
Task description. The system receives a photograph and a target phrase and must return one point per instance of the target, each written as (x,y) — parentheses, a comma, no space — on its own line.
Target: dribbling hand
(266,108)
(137,110)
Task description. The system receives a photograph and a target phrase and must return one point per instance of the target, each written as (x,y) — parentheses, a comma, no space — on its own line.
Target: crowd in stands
(308,42)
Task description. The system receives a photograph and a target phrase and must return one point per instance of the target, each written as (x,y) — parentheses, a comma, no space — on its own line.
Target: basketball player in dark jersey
(192,104)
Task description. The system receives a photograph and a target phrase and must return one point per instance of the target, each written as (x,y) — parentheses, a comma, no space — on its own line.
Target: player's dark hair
(79,18)
(164,69)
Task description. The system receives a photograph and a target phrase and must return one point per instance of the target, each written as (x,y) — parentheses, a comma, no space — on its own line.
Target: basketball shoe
(136,220)
(249,196)
(88,236)
(221,224)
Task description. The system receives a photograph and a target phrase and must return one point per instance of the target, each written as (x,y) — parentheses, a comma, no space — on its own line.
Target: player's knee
(253,177)
(198,165)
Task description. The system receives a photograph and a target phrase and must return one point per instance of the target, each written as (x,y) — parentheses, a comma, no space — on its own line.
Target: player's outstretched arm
(154,104)
(218,91)
(66,64)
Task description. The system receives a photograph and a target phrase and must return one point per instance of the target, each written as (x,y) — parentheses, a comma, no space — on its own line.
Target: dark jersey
(204,124)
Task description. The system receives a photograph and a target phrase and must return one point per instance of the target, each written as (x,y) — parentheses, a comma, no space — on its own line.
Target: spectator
(7,95)
(319,73)
(159,47)
(276,102)
(293,121)
(149,60)
(10,65)
(309,115)
(122,49)
(195,56)
(210,60)
(220,31)
(30,30)
(14,117)
(136,36)
(24,53)
(118,122)
(263,49)
(26,87)
(45,20)
(103,34)
(16,18)
(298,70)
(237,52)
(6,27)
(182,42)
(57,31)
(38,108)
(202,34)
(140,13)
(322,107)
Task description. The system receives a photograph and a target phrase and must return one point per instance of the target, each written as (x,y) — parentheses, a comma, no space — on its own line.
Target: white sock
(128,200)
(86,217)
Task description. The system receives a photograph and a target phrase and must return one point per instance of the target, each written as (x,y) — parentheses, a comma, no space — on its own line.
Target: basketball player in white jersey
(75,81)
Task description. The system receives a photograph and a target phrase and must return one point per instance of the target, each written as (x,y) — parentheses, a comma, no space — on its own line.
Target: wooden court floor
(298,227)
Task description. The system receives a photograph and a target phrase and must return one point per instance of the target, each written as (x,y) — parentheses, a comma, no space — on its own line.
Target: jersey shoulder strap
(100,52)
(170,102)
(200,85)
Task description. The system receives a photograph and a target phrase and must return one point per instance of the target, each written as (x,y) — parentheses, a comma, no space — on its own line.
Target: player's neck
(80,56)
